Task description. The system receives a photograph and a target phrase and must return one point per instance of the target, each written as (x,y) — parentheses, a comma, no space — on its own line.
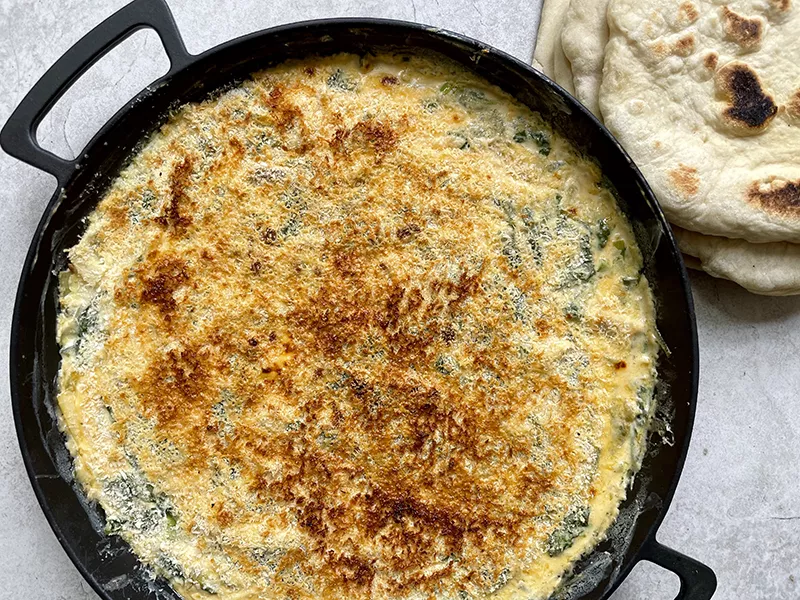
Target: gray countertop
(737,507)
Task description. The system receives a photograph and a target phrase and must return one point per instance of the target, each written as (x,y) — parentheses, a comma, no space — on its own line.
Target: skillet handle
(698,581)
(18,136)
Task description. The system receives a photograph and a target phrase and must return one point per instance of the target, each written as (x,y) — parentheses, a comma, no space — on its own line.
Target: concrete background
(738,504)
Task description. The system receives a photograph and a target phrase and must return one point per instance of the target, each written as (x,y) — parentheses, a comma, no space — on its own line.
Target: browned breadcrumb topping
(685,45)
(179,204)
(159,287)
(341,332)
(782,5)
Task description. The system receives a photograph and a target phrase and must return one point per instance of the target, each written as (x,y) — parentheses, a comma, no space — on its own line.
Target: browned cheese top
(357,328)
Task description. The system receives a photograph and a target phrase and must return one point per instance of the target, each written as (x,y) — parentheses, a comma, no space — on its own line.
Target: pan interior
(68,226)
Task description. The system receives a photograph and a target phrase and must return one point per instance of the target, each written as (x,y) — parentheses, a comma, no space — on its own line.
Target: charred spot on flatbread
(660,49)
(781,5)
(745,31)
(778,197)
(687,13)
(685,45)
(711,60)
(685,179)
(793,105)
(751,108)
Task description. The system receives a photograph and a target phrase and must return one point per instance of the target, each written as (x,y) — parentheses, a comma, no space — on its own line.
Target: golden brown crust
(782,5)
(175,215)
(685,45)
(357,340)
(745,31)
(687,13)
(381,137)
(793,105)
(465,511)
(158,287)
(685,179)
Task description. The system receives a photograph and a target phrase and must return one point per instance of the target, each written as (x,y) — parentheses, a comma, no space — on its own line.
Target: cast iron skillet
(106,562)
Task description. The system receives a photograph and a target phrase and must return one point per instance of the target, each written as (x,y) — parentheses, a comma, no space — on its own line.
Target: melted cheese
(361,328)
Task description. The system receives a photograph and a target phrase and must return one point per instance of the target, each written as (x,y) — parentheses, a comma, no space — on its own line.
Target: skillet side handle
(698,581)
(18,136)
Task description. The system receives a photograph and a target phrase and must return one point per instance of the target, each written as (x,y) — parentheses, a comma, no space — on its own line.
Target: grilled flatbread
(769,268)
(706,99)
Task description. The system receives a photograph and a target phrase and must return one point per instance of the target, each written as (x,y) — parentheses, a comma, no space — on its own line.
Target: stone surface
(738,504)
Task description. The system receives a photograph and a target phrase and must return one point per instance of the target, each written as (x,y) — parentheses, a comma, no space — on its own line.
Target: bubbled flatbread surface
(705,96)
(768,268)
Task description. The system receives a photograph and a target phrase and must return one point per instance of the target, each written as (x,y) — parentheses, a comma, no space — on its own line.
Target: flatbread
(583,41)
(692,262)
(548,50)
(772,269)
(706,99)
(562,72)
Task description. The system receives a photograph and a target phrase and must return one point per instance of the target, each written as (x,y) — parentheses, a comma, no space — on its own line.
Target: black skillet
(106,562)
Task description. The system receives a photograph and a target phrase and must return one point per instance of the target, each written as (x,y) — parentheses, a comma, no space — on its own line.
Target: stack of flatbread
(705,97)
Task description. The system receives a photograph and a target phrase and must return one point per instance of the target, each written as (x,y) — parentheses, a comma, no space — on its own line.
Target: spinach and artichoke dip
(357,328)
